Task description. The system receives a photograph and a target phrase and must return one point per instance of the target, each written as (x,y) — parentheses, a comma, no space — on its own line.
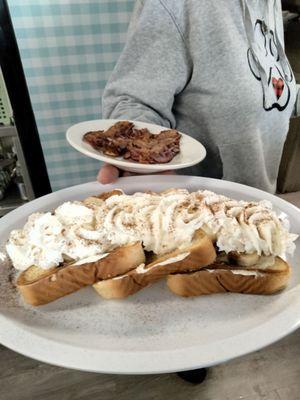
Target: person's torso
(227,100)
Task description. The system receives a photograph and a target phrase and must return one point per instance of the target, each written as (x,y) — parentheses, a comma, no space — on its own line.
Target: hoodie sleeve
(152,69)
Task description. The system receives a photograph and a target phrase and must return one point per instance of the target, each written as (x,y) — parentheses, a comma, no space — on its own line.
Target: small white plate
(191,151)
(153,331)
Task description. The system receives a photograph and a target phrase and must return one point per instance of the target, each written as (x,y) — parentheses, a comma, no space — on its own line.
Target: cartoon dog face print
(275,85)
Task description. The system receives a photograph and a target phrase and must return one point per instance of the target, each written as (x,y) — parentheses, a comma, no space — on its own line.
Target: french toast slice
(198,254)
(119,287)
(223,277)
(39,286)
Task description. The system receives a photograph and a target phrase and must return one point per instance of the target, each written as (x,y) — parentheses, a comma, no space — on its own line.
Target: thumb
(108,174)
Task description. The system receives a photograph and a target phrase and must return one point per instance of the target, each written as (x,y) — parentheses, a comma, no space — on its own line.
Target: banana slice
(244,260)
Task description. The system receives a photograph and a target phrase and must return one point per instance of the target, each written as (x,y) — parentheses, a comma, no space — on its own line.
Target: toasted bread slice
(199,253)
(39,286)
(220,278)
(118,288)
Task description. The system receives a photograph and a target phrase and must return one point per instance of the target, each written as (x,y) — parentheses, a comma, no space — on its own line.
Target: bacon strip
(139,145)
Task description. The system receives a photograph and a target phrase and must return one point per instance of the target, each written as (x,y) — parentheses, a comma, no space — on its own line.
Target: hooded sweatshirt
(216,71)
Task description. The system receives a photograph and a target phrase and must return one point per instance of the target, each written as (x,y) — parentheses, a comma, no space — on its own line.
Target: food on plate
(201,242)
(113,141)
(230,277)
(248,237)
(140,145)
(197,254)
(41,286)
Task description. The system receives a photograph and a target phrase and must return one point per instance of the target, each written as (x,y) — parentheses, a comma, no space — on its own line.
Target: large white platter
(153,331)
(191,151)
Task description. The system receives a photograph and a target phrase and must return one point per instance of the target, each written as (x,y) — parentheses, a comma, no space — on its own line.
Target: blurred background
(55,59)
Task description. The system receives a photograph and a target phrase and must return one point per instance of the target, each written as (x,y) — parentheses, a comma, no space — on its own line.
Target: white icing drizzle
(236,272)
(141,268)
(91,259)
(119,277)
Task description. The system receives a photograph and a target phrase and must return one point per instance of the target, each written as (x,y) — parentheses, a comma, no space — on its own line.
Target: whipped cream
(40,243)
(74,213)
(162,222)
(168,221)
(47,240)
(252,227)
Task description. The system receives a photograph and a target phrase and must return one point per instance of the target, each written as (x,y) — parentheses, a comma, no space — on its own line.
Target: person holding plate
(217,72)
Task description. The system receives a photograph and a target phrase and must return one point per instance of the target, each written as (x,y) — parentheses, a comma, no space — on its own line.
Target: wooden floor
(270,374)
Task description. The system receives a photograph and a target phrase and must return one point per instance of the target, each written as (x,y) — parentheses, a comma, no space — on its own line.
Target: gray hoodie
(216,71)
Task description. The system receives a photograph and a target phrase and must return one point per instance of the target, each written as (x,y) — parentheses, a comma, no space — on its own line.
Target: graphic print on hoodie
(268,63)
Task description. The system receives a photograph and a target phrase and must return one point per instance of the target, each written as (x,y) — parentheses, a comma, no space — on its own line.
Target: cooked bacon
(139,145)
(113,141)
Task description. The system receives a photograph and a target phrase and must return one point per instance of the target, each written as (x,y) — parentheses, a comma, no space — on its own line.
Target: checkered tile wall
(68,49)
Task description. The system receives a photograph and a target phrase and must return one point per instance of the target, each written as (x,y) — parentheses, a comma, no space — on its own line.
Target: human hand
(109,174)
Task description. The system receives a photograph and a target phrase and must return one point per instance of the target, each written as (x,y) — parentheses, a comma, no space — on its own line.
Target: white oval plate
(153,331)
(191,151)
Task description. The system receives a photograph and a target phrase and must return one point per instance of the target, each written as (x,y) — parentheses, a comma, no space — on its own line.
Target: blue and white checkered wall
(68,50)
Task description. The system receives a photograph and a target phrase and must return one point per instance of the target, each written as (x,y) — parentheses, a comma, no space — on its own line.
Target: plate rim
(130,164)
(170,360)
